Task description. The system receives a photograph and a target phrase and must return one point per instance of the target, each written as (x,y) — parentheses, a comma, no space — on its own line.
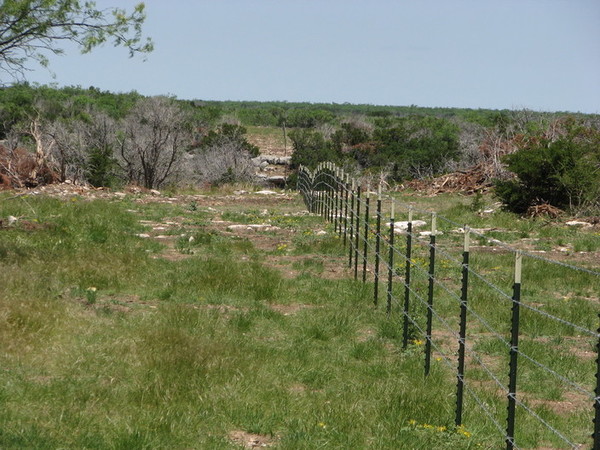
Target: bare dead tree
(156,133)
(469,141)
(224,162)
(68,150)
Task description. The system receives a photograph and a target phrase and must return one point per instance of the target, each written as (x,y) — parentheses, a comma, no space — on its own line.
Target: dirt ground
(275,242)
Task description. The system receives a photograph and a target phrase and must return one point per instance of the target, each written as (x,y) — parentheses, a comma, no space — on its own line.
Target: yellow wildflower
(461,430)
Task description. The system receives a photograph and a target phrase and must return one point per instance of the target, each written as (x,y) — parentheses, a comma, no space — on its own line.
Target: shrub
(310,148)
(563,172)
(416,146)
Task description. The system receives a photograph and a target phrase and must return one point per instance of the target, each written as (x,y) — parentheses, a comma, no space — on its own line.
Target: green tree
(229,135)
(563,171)
(31,29)
(310,148)
(417,146)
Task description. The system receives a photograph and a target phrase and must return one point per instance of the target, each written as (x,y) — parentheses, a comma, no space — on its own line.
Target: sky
(542,55)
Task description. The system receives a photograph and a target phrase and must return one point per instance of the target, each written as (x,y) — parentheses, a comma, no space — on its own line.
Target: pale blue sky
(537,54)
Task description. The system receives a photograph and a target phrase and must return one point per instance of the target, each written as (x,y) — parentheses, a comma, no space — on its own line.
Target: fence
(498,317)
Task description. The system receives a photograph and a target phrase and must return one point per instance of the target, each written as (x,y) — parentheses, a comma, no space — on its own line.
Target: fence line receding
(508,323)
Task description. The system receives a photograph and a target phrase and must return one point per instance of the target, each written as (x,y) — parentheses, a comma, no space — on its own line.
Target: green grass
(179,353)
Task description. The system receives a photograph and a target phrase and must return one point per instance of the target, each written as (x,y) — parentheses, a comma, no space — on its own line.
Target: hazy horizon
(542,56)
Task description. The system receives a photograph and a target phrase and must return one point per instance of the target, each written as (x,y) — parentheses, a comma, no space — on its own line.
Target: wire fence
(511,325)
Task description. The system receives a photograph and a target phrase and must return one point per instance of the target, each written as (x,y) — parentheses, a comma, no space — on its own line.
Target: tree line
(106,139)
(87,135)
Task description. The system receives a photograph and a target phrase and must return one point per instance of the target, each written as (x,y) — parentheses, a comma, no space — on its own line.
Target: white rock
(237,227)
(143,235)
(266,192)
(576,223)
(428,233)
(263,227)
(402,226)
(253,227)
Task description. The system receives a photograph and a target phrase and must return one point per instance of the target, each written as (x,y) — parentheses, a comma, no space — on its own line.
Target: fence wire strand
(330,206)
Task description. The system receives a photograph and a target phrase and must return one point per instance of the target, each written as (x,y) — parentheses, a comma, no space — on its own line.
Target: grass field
(145,322)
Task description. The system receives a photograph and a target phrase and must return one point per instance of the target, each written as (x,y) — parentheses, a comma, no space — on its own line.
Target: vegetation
(562,171)
(29,29)
(90,135)
(114,340)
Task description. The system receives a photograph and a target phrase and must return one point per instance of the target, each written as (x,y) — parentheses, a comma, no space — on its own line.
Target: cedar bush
(562,171)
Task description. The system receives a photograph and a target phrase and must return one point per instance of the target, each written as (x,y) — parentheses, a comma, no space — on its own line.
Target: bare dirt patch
(270,143)
(571,403)
(366,334)
(288,310)
(251,440)
(298,389)
(331,269)
(223,309)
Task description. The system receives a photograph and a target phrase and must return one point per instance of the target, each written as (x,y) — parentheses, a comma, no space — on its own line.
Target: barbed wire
(579,388)
(447,360)
(490,284)
(542,421)
(494,241)
(485,409)
(338,210)
(486,325)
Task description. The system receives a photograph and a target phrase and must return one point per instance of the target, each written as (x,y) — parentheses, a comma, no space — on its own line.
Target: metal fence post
(323,193)
(430,293)
(377,248)
(357,232)
(337,224)
(340,201)
(333,197)
(327,187)
(596,434)
(319,194)
(391,262)
(463,330)
(346,193)
(351,233)
(514,352)
(366,246)
(407,277)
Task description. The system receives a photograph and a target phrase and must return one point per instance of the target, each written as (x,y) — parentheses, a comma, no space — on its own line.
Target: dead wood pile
(475,179)
(19,168)
(544,210)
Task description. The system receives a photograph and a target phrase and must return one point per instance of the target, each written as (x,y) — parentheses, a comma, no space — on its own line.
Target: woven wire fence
(514,328)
